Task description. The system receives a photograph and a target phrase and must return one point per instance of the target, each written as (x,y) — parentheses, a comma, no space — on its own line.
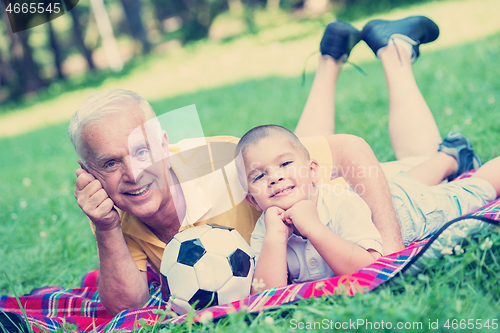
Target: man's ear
(314,170)
(164,146)
(251,200)
(164,142)
(82,165)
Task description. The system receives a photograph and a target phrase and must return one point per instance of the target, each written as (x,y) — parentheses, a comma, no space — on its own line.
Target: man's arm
(354,160)
(122,285)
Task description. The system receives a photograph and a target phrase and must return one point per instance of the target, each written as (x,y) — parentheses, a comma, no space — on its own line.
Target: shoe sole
(419,29)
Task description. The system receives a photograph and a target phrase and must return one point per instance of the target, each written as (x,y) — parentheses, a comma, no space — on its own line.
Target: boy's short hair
(254,136)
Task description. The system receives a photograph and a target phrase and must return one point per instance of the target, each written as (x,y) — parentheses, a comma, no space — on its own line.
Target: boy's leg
(412,128)
(435,169)
(454,157)
(318,116)
(490,172)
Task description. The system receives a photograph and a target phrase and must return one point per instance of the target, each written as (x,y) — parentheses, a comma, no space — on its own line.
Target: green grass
(46,239)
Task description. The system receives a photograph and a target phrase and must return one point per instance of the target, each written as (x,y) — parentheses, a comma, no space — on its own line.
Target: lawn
(46,239)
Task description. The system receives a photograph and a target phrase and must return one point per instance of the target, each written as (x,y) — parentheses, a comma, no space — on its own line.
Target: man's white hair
(101,104)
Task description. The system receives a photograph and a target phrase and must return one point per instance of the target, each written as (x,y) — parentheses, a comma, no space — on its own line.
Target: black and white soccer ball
(204,266)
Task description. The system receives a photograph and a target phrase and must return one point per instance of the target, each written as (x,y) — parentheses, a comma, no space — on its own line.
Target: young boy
(313,231)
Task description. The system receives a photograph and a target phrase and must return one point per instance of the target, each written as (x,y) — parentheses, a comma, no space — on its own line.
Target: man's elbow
(340,144)
(118,303)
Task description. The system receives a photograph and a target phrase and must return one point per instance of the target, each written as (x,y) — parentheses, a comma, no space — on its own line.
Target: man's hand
(303,215)
(275,224)
(94,201)
(122,286)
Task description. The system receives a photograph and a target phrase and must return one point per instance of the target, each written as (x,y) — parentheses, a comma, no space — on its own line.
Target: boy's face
(278,174)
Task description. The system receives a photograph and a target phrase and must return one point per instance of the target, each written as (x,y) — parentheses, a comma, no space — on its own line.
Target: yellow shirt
(202,168)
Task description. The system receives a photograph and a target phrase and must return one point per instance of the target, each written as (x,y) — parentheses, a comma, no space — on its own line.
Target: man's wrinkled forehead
(138,137)
(118,129)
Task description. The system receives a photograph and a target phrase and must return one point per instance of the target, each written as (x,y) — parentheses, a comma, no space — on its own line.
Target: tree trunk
(273,4)
(7,78)
(77,32)
(56,50)
(249,15)
(109,43)
(132,10)
(235,6)
(201,15)
(23,63)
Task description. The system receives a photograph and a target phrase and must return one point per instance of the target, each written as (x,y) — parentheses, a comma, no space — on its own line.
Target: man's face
(278,174)
(127,162)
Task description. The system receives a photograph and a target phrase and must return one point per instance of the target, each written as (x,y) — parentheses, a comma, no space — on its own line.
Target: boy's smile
(283,191)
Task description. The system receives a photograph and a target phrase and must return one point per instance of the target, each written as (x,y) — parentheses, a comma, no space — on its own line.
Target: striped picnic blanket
(49,309)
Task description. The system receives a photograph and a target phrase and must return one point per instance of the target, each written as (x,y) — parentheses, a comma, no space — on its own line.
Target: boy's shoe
(457,145)
(338,40)
(415,30)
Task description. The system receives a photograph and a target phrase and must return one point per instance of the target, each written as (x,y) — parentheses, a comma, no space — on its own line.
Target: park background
(241,62)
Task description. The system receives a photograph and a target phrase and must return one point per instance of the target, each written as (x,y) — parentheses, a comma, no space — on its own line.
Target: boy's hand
(275,223)
(303,215)
(94,201)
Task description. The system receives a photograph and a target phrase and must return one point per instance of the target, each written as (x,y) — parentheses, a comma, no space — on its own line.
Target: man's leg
(412,128)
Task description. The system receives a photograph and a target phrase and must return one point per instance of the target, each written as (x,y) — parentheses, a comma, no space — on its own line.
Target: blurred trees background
(90,37)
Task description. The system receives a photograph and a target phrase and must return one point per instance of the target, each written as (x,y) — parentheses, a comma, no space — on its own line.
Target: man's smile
(139,191)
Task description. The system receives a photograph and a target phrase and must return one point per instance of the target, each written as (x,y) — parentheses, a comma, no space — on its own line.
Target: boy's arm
(341,255)
(271,266)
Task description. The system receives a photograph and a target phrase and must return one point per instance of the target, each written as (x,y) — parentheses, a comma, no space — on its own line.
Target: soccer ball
(204,266)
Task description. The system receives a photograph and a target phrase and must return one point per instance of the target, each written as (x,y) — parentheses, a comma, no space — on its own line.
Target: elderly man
(138,194)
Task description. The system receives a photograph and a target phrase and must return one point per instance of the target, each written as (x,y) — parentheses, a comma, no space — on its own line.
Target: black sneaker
(415,30)
(457,145)
(338,40)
